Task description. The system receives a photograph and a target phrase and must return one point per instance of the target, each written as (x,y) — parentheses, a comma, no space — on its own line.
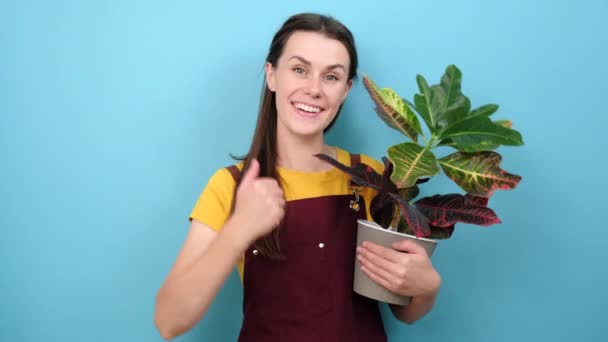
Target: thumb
(252,172)
(409,246)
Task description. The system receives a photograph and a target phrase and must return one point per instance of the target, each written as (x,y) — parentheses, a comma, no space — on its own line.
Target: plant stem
(424,139)
(434,142)
(395,220)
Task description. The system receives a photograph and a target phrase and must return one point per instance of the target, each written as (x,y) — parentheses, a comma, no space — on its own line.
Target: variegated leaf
(441,232)
(447,210)
(476,200)
(414,218)
(360,174)
(393,110)
(436,232)
(411,161)
(479,174)
(382,206)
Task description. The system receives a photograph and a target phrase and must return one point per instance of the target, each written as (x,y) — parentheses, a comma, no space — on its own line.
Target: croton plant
(474,166)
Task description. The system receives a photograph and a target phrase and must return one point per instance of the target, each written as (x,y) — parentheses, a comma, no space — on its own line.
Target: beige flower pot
(372,232)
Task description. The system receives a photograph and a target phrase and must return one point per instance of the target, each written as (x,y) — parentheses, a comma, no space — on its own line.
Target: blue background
(113,114)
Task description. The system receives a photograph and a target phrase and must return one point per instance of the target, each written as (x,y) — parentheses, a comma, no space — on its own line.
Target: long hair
(264,144)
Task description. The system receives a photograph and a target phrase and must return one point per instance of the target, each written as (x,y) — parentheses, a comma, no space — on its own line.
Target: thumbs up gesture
(260,205)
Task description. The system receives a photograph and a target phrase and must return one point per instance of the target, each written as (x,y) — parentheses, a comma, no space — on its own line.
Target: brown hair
(263,146)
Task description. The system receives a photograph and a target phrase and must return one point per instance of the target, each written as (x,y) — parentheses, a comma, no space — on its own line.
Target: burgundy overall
(309,296)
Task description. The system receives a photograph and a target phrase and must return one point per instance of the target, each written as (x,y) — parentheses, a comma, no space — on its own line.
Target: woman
(285,222)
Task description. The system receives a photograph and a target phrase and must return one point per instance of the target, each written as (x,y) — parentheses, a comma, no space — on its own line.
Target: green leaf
(481,146)
(468,145)
(479,174)
(485,110)
(479,133)
(442,104)
(393,110)
(456,105)
(411,161)
(424,103)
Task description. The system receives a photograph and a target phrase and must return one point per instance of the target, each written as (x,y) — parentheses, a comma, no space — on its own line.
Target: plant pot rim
(374,225)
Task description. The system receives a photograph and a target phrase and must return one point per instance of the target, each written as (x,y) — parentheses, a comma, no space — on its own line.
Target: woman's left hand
(405,270)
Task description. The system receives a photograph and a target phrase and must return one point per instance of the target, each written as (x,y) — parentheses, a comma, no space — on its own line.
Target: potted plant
(474,166)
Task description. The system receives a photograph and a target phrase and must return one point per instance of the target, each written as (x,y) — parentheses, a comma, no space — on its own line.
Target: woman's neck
(298,153)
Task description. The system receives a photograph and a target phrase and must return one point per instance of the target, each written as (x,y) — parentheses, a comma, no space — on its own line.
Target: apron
(308,296)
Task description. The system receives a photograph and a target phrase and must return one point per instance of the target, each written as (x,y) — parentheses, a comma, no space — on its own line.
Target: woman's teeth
(306,108)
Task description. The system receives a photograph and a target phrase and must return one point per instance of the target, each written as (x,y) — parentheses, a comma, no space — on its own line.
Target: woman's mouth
(307,109)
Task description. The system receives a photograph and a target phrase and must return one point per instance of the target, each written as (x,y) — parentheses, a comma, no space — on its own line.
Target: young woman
(283,217)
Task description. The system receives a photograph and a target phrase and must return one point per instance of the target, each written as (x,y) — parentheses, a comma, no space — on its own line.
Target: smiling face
(310,81)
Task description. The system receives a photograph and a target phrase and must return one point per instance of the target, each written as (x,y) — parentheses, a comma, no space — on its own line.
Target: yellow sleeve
(369,194)
(213,206)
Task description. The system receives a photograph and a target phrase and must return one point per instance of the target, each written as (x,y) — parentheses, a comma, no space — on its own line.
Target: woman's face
(310,82)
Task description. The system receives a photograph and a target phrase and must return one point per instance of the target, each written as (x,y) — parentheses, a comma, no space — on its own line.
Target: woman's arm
(207,257)
(416,309)
(201,268)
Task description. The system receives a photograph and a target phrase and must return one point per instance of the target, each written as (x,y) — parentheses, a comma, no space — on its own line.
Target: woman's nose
(314,86)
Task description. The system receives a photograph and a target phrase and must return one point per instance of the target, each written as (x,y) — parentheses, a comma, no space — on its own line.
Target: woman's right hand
(260,204)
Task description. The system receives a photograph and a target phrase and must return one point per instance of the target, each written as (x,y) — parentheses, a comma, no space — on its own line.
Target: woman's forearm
(183,300)
(416,309)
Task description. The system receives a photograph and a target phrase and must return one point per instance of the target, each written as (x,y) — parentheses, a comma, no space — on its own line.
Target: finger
(392,268)
(278,193)
(252,172)
(281,202)
(270,185)
(409,246)
(376,275)
(278,202)
(386,253)
(277,212)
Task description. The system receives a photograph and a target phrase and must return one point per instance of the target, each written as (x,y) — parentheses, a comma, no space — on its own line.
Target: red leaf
(441,232)
(361,174)
(446,210)
(477,200)
(414,218)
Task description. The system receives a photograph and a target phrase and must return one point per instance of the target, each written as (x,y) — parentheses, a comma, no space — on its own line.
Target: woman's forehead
(315,48)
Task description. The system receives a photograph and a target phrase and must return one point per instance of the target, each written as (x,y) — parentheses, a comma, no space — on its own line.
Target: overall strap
(355,159)
(235,172)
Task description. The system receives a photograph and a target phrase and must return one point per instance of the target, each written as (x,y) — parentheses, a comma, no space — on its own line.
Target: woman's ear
(270,81)
(349,85)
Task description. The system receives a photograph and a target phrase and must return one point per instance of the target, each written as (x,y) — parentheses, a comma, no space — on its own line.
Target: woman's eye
(331,77)
(299,70)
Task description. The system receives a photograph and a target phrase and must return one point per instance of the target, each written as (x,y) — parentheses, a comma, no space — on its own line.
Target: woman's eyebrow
(308,63)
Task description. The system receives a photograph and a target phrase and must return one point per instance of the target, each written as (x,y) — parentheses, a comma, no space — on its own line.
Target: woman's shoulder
(225,176)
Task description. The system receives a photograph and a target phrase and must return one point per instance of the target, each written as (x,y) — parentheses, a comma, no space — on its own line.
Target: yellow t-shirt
(214,204)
